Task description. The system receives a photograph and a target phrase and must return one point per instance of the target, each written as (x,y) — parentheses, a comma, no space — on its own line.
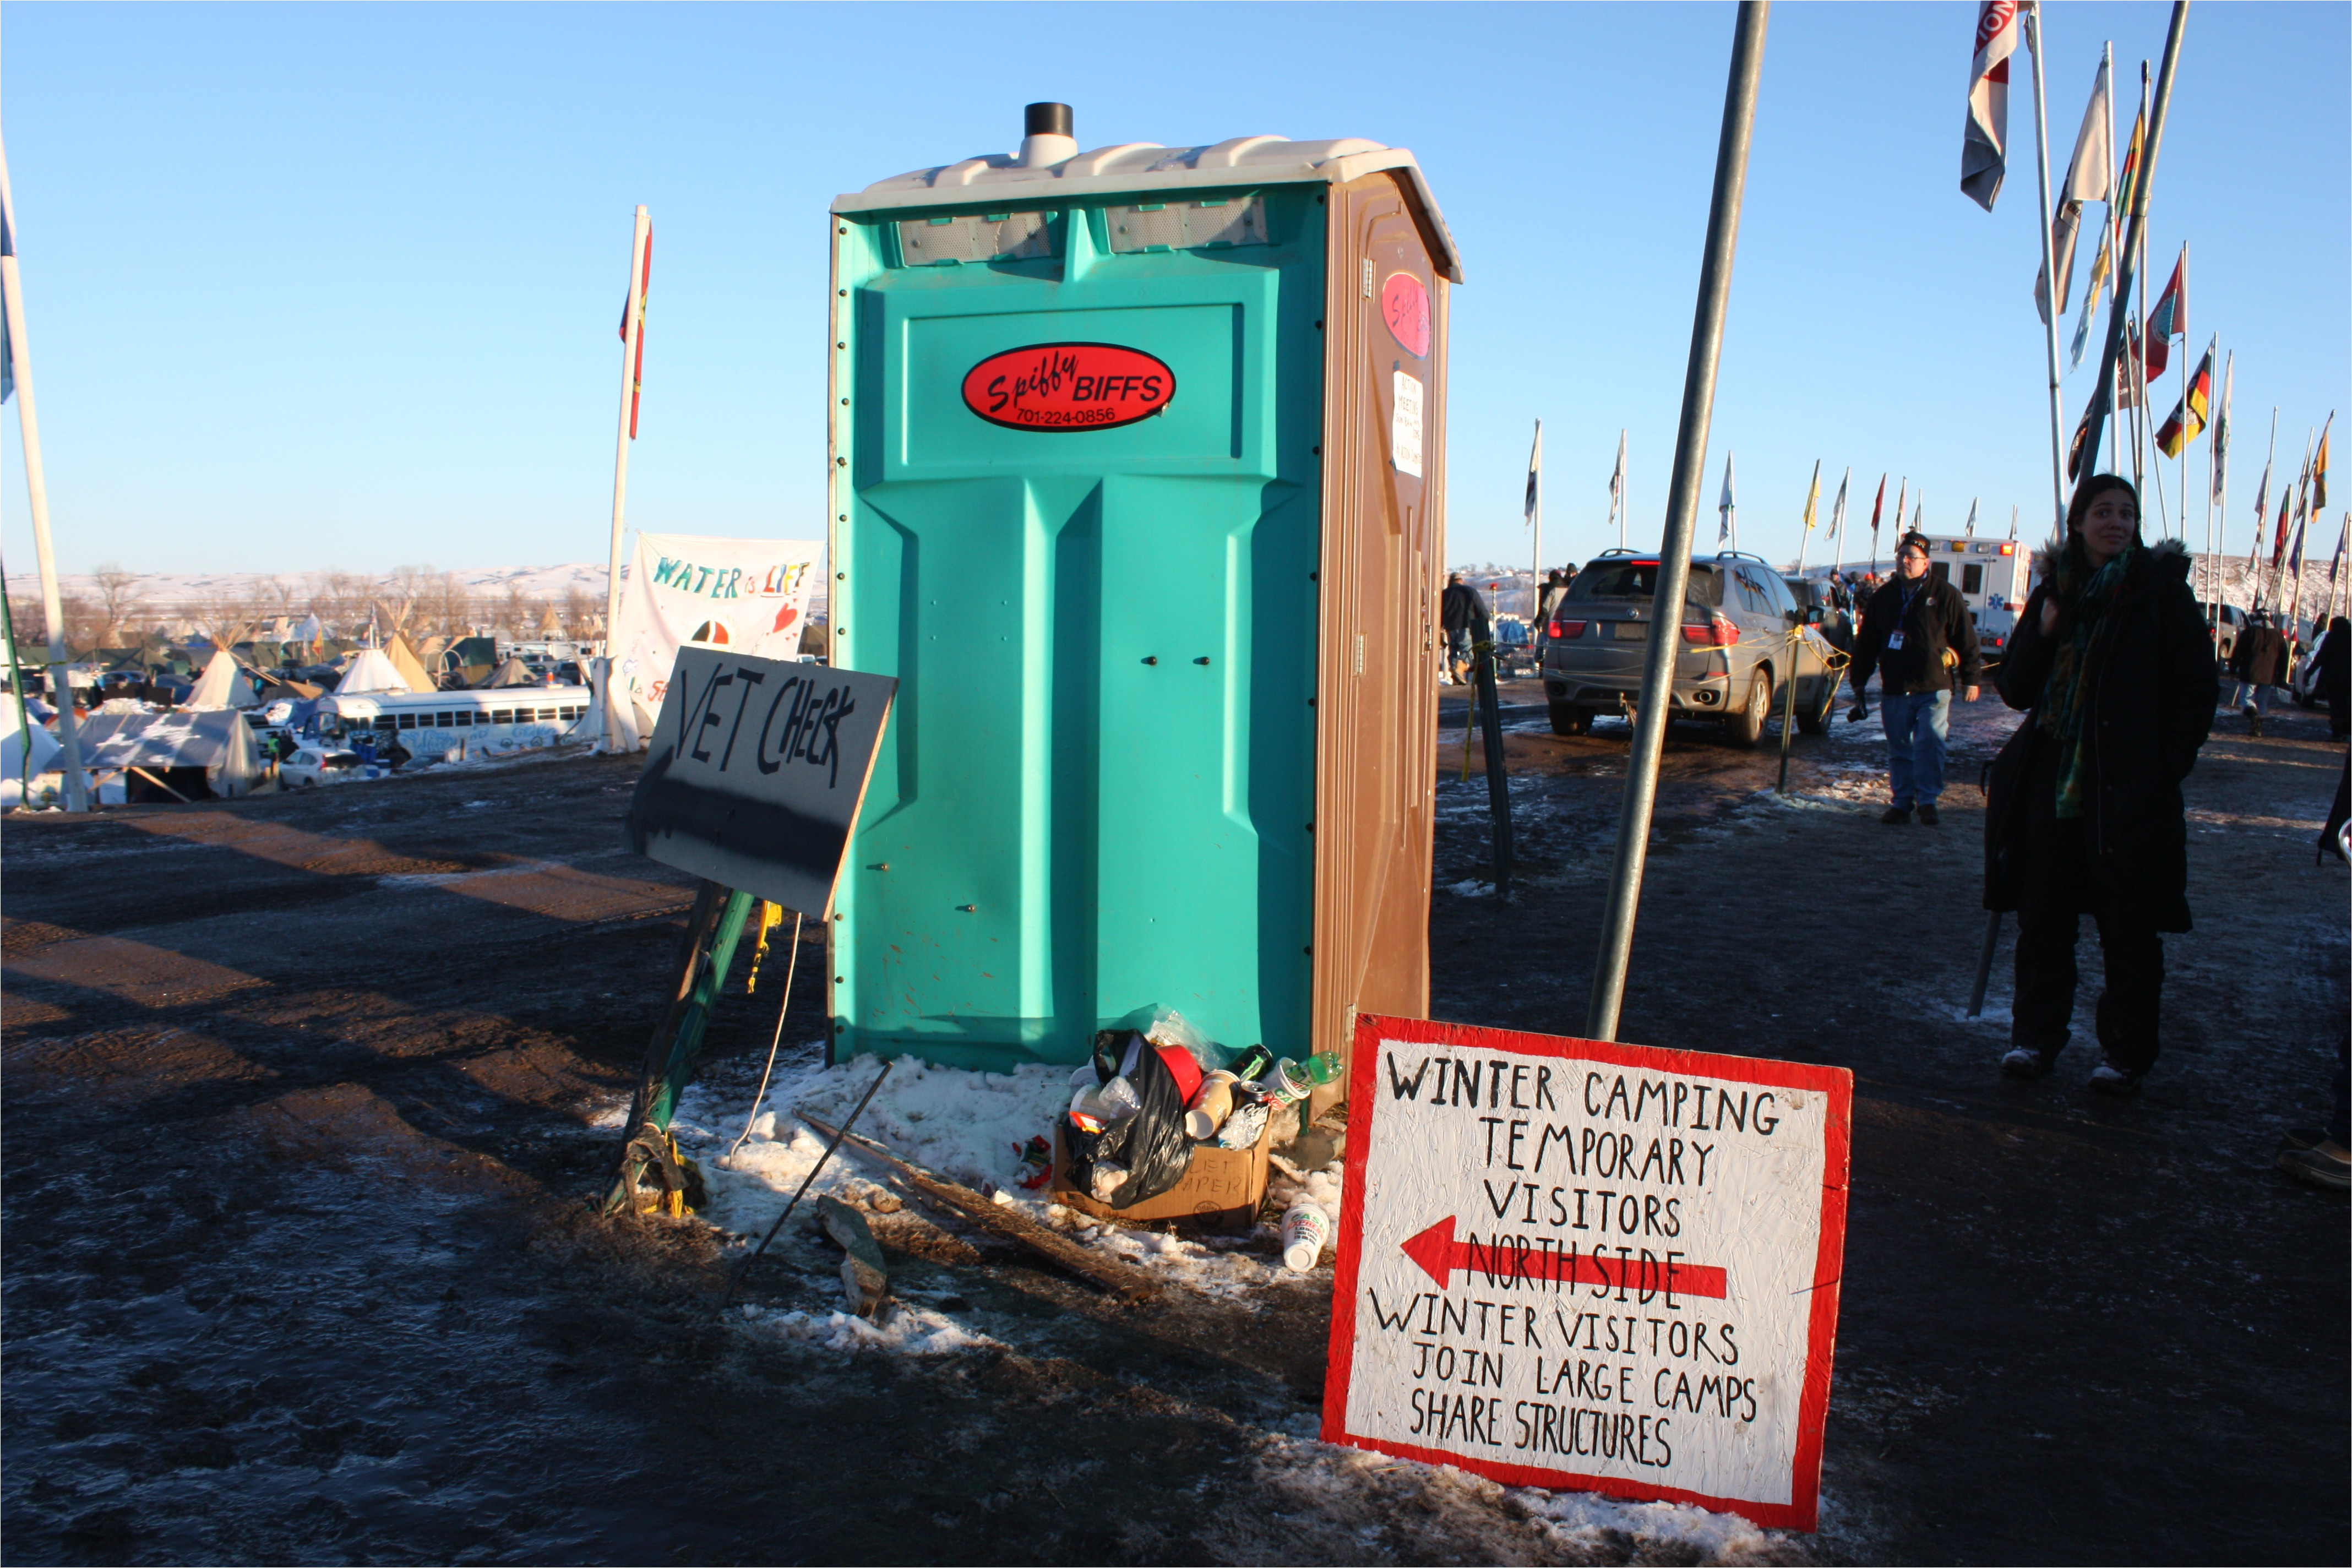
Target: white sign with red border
(1607,1267)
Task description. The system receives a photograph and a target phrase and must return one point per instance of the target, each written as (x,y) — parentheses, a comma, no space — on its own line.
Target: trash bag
(1150,1145)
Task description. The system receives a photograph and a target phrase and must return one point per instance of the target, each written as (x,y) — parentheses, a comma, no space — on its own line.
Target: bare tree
(515,616)
(579,613)
(452,606)
(119,593)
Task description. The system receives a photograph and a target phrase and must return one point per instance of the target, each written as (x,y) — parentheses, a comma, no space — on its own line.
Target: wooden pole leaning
(37,487)
(631,324)
(2128,262)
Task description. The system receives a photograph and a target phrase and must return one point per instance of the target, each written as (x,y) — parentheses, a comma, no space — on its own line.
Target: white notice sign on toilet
(1405,427)
(1604,1267)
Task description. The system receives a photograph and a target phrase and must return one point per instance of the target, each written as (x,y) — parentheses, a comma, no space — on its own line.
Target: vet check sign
(756,771)
(1608,1268)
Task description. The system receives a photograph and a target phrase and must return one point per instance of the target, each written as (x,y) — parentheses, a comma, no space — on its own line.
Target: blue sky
(335,286)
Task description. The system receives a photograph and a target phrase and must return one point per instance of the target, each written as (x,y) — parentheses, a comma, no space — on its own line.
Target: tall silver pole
(1535,612)
(2129,260)
(1682,520)
(37,487)
(2049,272)
(607,703)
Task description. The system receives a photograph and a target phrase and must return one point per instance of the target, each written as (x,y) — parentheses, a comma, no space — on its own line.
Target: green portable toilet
(1137,477)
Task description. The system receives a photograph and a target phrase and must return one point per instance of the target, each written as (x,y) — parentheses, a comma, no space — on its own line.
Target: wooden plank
(1121,1278)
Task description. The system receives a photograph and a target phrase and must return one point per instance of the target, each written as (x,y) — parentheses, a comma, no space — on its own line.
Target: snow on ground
(967,1126)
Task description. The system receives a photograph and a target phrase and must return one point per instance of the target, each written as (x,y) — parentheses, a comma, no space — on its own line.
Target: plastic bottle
(1323,1066)
(1119,1099)
(1306,1230)
(1286,1083)
(1211,1106)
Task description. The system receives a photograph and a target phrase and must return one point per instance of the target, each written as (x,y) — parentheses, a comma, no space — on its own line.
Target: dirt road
(298,1262)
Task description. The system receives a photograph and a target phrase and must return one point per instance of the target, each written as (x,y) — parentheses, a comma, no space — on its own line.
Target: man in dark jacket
(1463,614)
(2112,662)
(2335,687)
(2258,662)
(1917,633)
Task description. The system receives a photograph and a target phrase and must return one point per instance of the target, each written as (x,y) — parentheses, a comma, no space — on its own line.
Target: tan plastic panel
(1376,691)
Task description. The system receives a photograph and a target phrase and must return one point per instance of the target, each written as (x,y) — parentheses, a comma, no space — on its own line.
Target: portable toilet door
(1138,460)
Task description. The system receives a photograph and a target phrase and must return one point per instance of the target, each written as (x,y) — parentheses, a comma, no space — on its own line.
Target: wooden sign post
(1604,1267)
(752,781)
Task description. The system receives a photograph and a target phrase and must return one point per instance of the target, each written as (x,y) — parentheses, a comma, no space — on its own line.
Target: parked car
(1736,647)
(1827,605)
(312,766)
(2225,638)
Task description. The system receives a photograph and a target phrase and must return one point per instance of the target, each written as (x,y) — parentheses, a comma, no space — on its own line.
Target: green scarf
(2090,592)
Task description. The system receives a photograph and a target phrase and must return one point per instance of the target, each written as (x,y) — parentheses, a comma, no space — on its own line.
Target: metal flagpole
(37,487)
(2049,268)
(1623,500)
(1535,502)
(2261,503)
(1797,632)
(2141,421)
(1682,520)
(633,323)
(2216,476)
(2142,181)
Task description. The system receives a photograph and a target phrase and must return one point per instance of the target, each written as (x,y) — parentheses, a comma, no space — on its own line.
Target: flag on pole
(1837,510)
(2278,546)
(637,364)
(1617,479)
(2295,556)
(2319,468)
(1983,145)
(1535,477)
(2131,369)
(1876,507)
(2090,177)
(1729,507)
(2082,435)
(1813,496)
(1968,529)
(2168,319)
(2101,266)
(2263,493)
(2336,561)
(8,348)
(2188,421)
(2221,429)
(1918,511)
(2012,521)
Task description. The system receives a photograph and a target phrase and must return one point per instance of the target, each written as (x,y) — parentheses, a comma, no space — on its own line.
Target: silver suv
(1737,617)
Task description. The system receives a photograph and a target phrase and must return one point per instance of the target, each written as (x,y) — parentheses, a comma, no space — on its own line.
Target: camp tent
(412,669)
(220,742)
(371,671)
(222,685)
(513,672)
(15,767)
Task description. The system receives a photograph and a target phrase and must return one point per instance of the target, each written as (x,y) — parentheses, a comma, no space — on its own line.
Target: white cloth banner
(747,595)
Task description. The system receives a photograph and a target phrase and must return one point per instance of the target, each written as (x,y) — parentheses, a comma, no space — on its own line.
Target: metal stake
(1984,964)
(838,1134)
(1682,518)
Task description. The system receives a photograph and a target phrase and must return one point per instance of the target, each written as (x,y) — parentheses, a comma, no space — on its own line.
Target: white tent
(371,670)
(220,742)
(14,770)
(222,685)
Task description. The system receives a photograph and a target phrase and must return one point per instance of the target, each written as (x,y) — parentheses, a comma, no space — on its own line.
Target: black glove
(1858,712)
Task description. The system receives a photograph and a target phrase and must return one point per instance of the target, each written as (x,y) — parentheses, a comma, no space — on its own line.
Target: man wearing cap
(1916,633)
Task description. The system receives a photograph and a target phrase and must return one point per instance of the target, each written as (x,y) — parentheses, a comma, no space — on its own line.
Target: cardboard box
(1221,1190)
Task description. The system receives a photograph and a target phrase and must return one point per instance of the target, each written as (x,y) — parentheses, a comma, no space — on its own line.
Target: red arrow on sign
(1440,1256)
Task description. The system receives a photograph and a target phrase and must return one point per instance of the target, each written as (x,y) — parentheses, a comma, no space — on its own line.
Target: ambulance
(1994,575)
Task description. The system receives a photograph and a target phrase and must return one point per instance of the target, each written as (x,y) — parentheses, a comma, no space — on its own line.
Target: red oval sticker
(1068,386)
(1404,305)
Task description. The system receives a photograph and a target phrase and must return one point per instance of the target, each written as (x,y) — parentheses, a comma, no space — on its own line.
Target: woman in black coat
(2335,656)
(2112,664)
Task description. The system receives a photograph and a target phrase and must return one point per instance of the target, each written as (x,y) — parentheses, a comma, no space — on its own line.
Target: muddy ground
(299,1261)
